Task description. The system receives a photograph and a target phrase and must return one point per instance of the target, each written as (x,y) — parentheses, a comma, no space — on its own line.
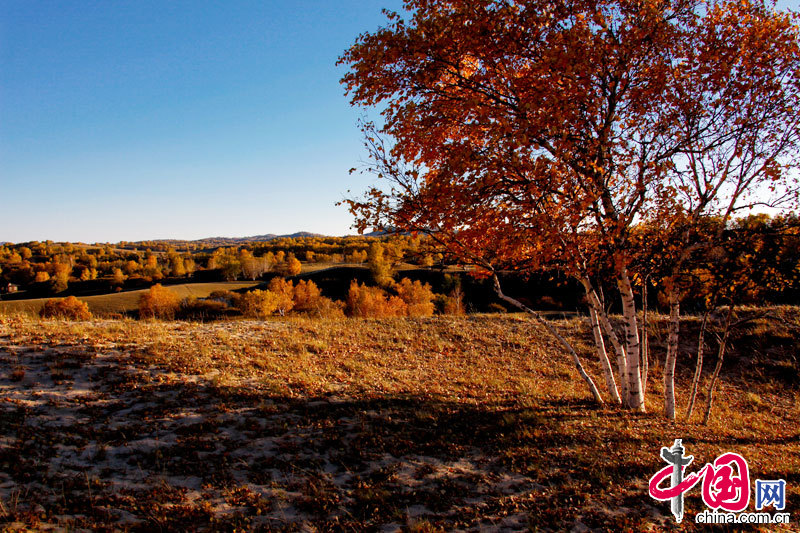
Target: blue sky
(131,120)
(137,120)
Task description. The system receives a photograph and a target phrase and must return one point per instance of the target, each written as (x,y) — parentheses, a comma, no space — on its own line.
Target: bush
(229,298)
(308,299)
(306,295)
(70,308)
(417,297)
(363,301)
(194,309)
(284,292)
(158,302)
(259,304)
(327,308)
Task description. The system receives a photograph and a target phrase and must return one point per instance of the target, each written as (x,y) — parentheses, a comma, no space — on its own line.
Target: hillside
(127,301)
(473,423)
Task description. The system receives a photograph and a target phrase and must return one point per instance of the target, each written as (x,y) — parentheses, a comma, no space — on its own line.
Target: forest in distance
(760,257)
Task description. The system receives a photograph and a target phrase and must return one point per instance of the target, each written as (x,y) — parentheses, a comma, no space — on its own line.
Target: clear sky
(145,119)
(131,120)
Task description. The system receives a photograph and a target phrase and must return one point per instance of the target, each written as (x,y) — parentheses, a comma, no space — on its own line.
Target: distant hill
(230,241)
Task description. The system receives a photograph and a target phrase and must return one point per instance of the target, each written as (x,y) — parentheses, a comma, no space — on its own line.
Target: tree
(259,304)
(176,265)
(308,299)
(293,265)
(284,293)
(158,302)
(59,281)
(364,301)
(227,260)
(379,265)
(306,295)
(152,270)
(119,277)
(531,133)
(417,297)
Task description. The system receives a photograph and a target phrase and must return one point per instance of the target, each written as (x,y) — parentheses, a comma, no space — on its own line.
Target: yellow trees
(306,295)
(308,299)
(417,297)
(293,265)
(283,296)
(132,267)
(364,301)
(42,276)
(152,270)
(228,261)
(158,302)
(254,267)
(176,265)
(379,264)
(70,308)
(119,277)
(259,304)
(59,281)
(88,274)
(284,291)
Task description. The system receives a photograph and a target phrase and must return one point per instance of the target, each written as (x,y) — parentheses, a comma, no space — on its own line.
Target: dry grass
(447,423)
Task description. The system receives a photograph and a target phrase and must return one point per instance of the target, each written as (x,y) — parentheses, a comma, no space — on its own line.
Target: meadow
(126,302)
(430,424)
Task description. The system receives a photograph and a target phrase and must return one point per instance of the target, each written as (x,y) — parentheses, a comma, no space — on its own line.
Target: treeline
(50,268)
(282,297)
(756,257)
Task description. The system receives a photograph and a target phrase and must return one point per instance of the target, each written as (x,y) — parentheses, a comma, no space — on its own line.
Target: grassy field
(124,302)
(472,423)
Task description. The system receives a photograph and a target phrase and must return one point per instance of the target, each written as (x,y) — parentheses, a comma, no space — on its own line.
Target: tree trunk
(698,368)
(575,359)
(645,340)
(720,356)
(594,303)
(603,357)
(672,350)
(635,397)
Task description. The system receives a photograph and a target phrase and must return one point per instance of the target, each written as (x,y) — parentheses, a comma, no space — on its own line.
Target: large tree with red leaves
(530,133)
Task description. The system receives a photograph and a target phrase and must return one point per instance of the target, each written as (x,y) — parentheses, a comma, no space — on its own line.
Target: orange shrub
(417,297)
(327,308)
(158,302)
(293,266)
(284,291)
(70,308)
(306,295)
(363,301)
(259,304)
(308,299)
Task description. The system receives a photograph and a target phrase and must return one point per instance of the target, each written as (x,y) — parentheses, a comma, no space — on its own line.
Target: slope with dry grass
(450,422)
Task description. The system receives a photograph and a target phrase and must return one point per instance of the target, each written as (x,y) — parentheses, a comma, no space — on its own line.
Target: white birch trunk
(594,303)
(608,373)
(698,368)
(645,339)
(672,351)
(539,318)
(635,397)
(723,342)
